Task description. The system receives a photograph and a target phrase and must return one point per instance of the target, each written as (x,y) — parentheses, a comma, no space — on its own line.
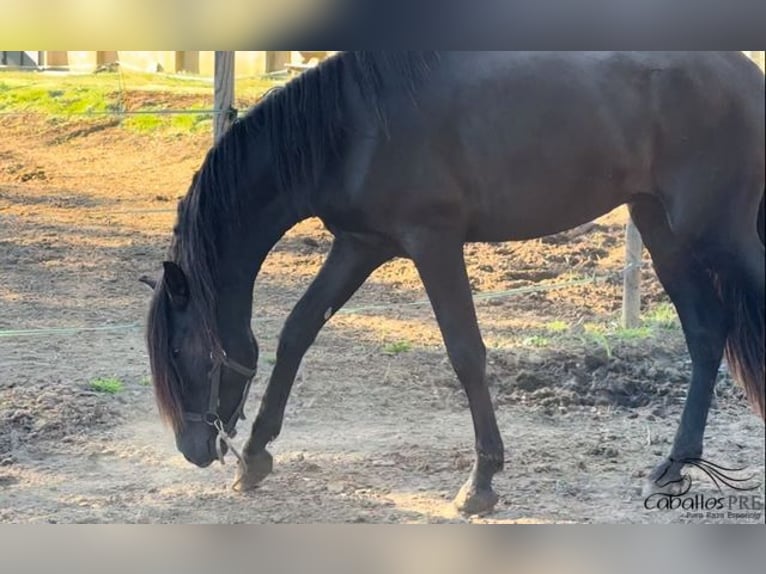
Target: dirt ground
(377,429)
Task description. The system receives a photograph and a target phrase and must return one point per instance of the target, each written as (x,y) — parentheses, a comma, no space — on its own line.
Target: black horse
(414,154)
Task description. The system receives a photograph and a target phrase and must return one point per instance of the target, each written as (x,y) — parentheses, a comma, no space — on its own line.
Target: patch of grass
(536,341)
(557,327)
(614,331)
(145,123)
(65,100)
(270,359)
(598,337)
(663,316)
(145,382)
(174,123)
(69,96)
(191,123)
(605,335)
(636,334)
(397,347)
(108,385)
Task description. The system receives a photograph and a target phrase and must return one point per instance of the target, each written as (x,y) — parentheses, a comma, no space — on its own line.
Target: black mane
(305,124)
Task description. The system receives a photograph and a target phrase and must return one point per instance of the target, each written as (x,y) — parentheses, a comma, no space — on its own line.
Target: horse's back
(513,145)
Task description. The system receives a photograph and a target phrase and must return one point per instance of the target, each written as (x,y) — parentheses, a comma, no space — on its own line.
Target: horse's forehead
(184,328)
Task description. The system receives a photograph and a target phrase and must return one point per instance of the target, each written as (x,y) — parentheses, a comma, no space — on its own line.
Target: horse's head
(200,378)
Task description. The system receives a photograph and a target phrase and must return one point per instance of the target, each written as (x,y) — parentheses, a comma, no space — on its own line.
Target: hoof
(678,488)
(471,501)
(259,466)
(666,479)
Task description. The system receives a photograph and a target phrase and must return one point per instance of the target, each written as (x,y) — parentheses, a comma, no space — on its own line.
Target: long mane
(306,127)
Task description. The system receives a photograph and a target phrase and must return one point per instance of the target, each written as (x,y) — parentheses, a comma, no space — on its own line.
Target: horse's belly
(519,216)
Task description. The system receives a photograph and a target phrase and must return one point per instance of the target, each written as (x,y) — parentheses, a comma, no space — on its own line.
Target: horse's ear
(150,281)
(175,284)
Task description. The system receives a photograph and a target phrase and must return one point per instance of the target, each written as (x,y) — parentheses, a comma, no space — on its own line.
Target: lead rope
(223,437)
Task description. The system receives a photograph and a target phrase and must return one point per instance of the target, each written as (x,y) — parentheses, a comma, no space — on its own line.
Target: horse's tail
(746,343)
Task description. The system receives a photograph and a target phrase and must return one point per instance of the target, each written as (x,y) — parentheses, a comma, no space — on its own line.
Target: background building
(248,63)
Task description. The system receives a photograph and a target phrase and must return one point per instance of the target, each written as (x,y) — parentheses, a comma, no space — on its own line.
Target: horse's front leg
(441,266)
(348,265)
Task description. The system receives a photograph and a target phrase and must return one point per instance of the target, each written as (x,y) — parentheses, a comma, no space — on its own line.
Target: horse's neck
(245,250)
(273,221)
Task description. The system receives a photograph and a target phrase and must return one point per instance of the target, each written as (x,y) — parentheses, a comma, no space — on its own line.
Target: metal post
(224,93)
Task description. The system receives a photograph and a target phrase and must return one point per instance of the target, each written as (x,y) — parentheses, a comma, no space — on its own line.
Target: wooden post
(224,93)
(631,296)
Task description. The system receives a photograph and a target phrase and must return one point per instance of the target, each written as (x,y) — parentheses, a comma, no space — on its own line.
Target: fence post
(631,295)
(223,93)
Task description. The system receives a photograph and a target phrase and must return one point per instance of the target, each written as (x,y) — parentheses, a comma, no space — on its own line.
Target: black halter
(211,417)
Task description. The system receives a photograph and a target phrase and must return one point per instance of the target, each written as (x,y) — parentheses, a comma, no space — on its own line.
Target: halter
(226,430)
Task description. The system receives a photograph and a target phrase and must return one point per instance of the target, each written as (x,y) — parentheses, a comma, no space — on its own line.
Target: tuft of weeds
(397,347)
(536,341)
(637,334)
(663,316)
(599,338)
(557,327)
(108,385)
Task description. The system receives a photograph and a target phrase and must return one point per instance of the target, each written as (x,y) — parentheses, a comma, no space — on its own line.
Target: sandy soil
(370,435)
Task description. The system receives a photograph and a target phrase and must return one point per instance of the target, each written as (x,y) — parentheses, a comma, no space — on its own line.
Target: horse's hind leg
(347,267)
(705,327)
(440,263)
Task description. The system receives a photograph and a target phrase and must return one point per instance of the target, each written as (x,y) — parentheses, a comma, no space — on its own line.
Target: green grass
(73,100)
(637,334)
(397,347)
(536,341)
(69,97)
(109,385)
(606,335)
(145,382)
(248,88)
(557,327)
(663,316)
(597,334)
